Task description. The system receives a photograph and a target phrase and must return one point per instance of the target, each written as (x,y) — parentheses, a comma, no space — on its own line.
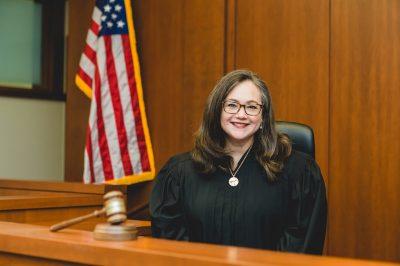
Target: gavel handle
(76,220)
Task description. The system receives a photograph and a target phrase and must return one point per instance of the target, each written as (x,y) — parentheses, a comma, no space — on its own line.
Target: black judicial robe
(287,215)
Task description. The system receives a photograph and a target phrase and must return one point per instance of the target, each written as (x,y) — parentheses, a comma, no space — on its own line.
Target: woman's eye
(232,105)
(253,107)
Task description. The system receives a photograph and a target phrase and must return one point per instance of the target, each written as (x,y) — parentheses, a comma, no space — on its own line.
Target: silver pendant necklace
(234,181)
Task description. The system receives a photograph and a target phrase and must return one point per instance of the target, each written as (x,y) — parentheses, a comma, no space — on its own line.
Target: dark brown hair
(270,147)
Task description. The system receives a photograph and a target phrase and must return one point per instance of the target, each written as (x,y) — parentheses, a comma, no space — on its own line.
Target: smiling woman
(242,184)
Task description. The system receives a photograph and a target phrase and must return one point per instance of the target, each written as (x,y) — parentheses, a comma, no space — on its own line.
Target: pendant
(233,181)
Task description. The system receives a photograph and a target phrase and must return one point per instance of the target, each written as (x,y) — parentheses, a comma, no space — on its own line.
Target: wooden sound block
(109,232)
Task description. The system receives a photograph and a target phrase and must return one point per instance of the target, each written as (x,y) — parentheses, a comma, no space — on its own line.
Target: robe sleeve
(307,213)
(166,211)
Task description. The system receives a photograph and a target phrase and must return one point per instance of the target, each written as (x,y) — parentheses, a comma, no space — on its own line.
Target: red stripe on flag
(102,137)
(144,159)
(85,77)
(95,27)
(118,111)
(89,148)
(90,53)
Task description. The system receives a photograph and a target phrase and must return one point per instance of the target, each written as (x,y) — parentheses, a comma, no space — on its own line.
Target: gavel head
(115,207)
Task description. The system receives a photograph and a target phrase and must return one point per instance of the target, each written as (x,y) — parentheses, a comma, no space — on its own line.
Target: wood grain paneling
(182,56)
(77,104)
(230,35)
(365,124)
(287,44)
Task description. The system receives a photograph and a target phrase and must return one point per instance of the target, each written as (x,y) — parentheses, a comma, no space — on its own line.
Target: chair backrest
(302,136)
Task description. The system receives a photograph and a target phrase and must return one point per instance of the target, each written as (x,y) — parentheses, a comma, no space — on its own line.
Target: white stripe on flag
(108,113)
(86,168)
(96,154)
(129,120)
(97,160)
(96,16)
(87,66)
(91,40)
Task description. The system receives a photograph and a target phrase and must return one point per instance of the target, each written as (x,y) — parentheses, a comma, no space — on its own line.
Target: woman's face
(241,127)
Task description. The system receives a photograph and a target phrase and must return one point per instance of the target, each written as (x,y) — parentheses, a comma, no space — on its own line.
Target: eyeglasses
(234,107)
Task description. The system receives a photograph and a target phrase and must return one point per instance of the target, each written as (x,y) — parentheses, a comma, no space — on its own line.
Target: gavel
(114,208)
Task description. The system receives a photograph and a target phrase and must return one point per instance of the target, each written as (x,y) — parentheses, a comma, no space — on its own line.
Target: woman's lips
(239,124)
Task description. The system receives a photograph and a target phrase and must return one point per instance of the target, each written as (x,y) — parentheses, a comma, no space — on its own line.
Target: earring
(261,127)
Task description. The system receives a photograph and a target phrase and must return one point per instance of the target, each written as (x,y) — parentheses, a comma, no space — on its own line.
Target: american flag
(118,148)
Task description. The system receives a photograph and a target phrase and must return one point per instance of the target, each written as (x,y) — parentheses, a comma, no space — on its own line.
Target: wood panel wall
(287,44)
(364,183)
(182,54)
(77,104)
(332,64)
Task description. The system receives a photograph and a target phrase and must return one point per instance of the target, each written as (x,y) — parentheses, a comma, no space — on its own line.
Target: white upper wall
(32,139)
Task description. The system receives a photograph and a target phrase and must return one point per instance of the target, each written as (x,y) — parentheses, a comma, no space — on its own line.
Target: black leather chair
(302,136)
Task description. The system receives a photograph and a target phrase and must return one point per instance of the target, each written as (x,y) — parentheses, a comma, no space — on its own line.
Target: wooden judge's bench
(47,203)
(27,208)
